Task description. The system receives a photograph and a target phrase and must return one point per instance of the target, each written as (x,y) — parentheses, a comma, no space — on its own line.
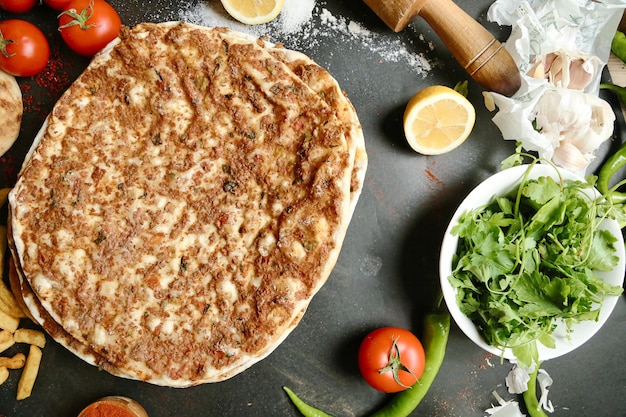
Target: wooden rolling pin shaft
(476,50)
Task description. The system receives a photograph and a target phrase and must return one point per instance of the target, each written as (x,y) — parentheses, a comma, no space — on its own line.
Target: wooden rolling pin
(482,56)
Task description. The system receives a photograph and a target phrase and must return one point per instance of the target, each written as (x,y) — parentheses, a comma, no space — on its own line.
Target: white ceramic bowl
(500,184)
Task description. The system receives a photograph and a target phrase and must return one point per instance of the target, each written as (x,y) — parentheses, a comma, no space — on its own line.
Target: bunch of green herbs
(527,261)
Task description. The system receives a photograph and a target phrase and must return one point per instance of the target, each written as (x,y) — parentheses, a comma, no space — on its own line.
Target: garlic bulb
(575,124)
(566,70)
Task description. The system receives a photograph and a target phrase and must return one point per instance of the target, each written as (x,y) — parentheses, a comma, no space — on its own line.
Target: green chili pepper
(530,396)
(618,45)
(620,91)
(435,339)
(305,409)
(608,170)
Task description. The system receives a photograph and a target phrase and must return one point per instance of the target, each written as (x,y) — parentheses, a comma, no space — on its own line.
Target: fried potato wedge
(4,374)
(4,193)
(6,340)
(29,373)
(17,361)
(8,322)
(30,336)
(8,303)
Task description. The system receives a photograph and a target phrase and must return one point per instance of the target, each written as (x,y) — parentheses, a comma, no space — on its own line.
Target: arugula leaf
(601,254)
(527,262)
(542,190)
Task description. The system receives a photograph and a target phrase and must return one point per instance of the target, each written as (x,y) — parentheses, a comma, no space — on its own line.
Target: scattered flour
(306,24)
(295,14)
(371,265)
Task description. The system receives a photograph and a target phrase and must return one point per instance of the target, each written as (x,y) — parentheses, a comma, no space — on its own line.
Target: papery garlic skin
(517,379)
(544,380)
(504,408)
(575,124)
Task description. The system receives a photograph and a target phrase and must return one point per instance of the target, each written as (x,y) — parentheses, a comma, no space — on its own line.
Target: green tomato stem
(79,19)
(395,365)
(3,46)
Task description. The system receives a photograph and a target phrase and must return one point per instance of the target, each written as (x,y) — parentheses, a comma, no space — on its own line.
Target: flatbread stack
(184,201)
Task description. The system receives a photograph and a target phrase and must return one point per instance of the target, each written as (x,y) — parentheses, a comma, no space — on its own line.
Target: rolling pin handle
(468,66)
(490,65)
(397,14)
(476,50)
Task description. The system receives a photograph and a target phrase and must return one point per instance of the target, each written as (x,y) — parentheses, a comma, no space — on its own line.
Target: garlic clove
(557,73)
(490,103)
(599,127)
(538,70)
(580,74)
(570,157)
(566,70)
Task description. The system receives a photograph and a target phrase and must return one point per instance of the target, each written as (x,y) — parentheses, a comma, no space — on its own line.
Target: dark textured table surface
(387,273)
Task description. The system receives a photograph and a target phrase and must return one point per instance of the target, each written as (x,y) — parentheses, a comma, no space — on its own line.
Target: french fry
(30,336)
(6,340)
(29,373)
(4,374)
(15,288)
(7,322)
(5,336)
(16,362)
(3,246)
(4,192)
(8,303)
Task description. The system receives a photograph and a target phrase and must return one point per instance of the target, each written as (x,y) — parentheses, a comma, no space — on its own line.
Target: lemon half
(253,12)
(437,120)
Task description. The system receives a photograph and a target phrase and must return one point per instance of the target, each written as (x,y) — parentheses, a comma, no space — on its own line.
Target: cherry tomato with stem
(58,5)
(391,359)
(24,49)
(17,6)
(87,26)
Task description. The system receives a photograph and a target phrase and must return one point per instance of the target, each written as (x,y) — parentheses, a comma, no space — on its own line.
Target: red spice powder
(432,177)
(107,409)
(51,82)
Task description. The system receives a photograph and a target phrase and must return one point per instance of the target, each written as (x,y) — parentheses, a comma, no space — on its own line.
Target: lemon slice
(437,120)
(253,12)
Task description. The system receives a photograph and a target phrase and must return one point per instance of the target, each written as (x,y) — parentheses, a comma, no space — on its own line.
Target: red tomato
(391,359)
(59,5)
(87,26)
(24,50)
(17,6)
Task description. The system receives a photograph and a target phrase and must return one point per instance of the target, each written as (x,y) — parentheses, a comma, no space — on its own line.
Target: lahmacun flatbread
(11,111)
(184,201)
